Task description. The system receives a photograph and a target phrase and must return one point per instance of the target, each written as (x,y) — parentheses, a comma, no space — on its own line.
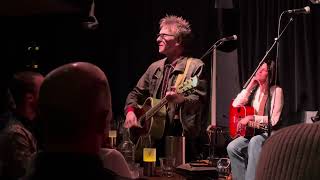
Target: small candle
(112,133)
(149,154)
(112,137)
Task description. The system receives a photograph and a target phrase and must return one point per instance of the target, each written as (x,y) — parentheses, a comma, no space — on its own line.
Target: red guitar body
(235,115)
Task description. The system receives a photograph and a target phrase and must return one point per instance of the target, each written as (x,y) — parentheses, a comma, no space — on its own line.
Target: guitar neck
(151,112)
(183,88)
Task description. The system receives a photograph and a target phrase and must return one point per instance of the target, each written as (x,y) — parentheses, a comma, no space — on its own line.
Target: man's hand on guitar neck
(245,120)
(174,97)
(131,120)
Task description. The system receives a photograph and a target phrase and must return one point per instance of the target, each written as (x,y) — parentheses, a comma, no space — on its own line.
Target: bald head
(75,101)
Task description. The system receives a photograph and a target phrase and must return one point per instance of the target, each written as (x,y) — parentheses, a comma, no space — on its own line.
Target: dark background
(124,44)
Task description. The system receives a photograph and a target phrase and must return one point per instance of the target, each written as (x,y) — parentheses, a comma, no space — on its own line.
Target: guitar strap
(182,77)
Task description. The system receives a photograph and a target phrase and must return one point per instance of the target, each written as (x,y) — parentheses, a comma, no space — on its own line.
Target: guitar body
(151,116)
(235,115)
(153,126)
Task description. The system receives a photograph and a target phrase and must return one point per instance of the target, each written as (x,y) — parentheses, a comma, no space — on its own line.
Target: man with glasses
(184,112)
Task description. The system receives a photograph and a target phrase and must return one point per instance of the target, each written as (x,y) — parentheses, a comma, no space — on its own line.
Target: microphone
(230,38)
(305,10)
(218,43)
(315,1)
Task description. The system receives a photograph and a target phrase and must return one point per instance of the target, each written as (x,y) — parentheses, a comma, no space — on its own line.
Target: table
(180,175)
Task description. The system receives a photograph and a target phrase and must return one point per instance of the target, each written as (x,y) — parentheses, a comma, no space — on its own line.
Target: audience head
(291,153)
(25,88)
(75,107)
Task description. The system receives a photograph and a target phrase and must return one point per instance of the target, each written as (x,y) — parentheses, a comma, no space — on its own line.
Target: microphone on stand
(229,38)
(218,43)
(305,10)
(315,1)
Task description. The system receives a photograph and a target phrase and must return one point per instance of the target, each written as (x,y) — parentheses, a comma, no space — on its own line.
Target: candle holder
(149,161)
(112,138)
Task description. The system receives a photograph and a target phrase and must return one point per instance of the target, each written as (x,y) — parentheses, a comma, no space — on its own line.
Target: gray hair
(179,26)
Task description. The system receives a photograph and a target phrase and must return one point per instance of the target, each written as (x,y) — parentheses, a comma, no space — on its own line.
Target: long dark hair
(273,79)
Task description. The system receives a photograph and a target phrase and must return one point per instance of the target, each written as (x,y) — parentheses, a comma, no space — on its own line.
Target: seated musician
(183,111)
(244,151)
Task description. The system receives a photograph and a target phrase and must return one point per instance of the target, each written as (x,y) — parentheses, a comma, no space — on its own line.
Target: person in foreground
(183,113)
(291,154)
(75,107)
(17,137)
(244,152)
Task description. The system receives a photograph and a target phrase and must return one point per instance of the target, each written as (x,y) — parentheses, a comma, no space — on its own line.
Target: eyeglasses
(162,35)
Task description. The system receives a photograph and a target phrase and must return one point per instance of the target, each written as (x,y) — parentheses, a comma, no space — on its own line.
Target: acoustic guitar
(236,128)
(151,116)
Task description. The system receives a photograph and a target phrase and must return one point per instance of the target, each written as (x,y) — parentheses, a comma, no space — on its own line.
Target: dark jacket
(190,111)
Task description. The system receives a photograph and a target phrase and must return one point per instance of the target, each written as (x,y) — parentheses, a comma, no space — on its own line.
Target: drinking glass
(167,165)
(223,166)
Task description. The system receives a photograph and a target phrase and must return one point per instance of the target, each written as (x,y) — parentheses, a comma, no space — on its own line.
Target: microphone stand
(213,78)
(276,40)
(213,47)
(212,130)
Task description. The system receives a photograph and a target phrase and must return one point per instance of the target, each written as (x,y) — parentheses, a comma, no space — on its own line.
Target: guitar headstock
(188,85)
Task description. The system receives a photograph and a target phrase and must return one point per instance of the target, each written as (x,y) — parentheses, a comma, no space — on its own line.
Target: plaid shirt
(168,69)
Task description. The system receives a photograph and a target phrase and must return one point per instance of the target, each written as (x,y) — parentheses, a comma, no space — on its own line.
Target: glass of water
(167,165)
(223,166)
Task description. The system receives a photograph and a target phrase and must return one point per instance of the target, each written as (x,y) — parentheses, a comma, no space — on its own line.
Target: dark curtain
(299,50)
(129,31)
(124,44)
